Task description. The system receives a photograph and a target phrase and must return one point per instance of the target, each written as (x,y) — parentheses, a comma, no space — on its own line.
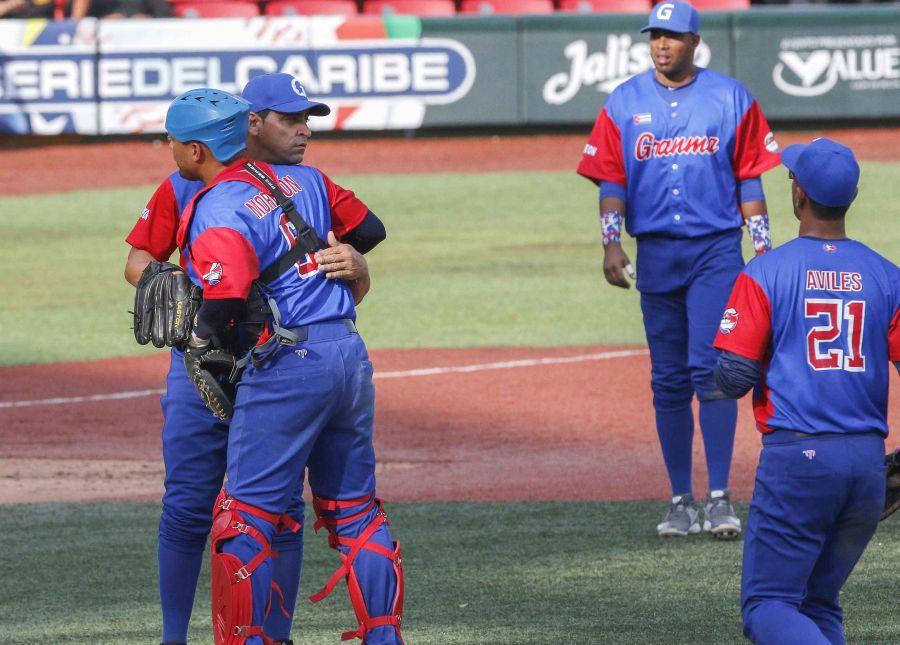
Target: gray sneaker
(719,517)
(682,518)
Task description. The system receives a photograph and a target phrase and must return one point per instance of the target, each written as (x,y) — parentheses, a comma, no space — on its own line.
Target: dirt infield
(114,165)
(564,423)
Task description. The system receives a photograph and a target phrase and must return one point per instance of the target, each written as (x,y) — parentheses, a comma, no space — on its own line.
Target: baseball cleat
(682,518)
(719,517)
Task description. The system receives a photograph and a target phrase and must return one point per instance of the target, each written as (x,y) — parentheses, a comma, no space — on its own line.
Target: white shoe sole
(725,531)
(671,531)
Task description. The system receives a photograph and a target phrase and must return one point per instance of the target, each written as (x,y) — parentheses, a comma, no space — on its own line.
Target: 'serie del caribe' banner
(118,77)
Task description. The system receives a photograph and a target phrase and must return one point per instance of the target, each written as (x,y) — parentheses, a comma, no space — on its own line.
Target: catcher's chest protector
(232,592)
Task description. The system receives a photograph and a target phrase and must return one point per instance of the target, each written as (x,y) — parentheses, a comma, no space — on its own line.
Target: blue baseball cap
(678,17)
(212,117)
(826,171)
(281,93)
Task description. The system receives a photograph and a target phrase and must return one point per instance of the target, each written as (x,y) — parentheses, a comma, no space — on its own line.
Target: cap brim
(299,105)
(791,154)
(666,28)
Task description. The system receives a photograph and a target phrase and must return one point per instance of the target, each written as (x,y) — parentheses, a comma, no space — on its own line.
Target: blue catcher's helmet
(212,117)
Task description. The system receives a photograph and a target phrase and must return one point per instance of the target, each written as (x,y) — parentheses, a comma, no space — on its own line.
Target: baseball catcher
(165,304)
(892,484)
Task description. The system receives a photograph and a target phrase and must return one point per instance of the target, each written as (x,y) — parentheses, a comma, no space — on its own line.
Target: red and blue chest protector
(680,157)
(824,317)
(234,229)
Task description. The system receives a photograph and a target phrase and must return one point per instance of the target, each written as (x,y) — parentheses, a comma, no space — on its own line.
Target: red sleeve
(746,326)
(347,211)
(894,337)
(755,149)
(226,263)
(156,227)
(602,157)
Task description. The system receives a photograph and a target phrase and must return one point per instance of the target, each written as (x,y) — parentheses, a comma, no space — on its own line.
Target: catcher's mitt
(164,305)
(892,484)
(214,374)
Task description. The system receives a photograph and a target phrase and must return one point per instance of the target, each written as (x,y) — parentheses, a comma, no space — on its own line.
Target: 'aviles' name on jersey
(833,281)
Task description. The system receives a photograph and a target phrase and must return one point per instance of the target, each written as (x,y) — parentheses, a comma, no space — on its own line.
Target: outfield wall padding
(98,77)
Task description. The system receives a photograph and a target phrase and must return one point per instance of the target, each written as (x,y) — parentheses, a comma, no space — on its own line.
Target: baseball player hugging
(678,152)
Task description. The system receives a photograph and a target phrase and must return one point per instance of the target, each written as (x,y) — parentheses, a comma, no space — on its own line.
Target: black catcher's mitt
(892,484)
(165,304)
(214,374)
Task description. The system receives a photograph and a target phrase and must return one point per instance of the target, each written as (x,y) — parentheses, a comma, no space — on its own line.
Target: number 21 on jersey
(843,324)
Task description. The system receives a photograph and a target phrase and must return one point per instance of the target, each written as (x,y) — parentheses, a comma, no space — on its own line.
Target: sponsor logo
(214,275)
(648,146)
(145,213)
(590,150)
(814,65)
(770,143)
(809,454)
(833,280)
(646,117)
(605,70)
(829,248)
(729,320)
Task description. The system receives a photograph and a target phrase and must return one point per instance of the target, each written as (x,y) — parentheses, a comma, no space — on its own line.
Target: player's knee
(670,399)
(287,541)
(184,529)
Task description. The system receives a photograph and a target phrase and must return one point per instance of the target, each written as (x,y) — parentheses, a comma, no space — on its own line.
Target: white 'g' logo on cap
(298,89)
(664,11)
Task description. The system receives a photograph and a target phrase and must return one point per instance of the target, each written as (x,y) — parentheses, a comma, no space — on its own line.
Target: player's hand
(615,266)
(341,261)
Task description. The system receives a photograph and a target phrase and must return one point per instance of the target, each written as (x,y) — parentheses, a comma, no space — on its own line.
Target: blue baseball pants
(815,507)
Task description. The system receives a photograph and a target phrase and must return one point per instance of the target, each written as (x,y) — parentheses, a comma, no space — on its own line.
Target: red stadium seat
(508,7)
(215,10)
(411,7)
(717,5)
(605,6)
(310,8)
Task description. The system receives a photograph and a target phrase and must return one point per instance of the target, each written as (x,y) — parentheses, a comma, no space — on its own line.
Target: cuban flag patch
(644,117)
(829,248)
(214,275)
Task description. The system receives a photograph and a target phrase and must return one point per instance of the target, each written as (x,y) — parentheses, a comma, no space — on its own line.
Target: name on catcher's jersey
(680,160)
(234,229)
(157,225)
(824,318)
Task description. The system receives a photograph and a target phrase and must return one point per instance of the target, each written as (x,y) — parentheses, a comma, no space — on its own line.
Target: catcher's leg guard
(372,566)
(238,549)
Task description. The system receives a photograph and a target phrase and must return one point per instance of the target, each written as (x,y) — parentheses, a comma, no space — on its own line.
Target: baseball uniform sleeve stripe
(155,230)
(746,324)
(602,158)
(347,211)
(226,263)
(755,150)
(894,337)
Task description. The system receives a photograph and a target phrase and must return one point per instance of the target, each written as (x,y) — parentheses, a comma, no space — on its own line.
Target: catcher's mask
(212,117)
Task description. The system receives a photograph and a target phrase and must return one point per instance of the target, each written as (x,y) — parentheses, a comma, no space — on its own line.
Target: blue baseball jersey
(234,229)
(680,157)
(824,318)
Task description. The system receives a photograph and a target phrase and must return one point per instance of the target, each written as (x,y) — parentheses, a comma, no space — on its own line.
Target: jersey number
(836,313)
(307,266)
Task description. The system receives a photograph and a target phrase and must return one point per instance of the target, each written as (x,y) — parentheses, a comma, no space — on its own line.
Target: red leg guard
(232,594)
(346,571)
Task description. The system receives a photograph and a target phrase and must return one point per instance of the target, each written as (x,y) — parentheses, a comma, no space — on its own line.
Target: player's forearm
(757,221)
(137,261)
(736,375)
(359,287)
(612,218)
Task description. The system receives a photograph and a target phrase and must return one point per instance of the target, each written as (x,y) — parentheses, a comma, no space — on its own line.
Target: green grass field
(471,260)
